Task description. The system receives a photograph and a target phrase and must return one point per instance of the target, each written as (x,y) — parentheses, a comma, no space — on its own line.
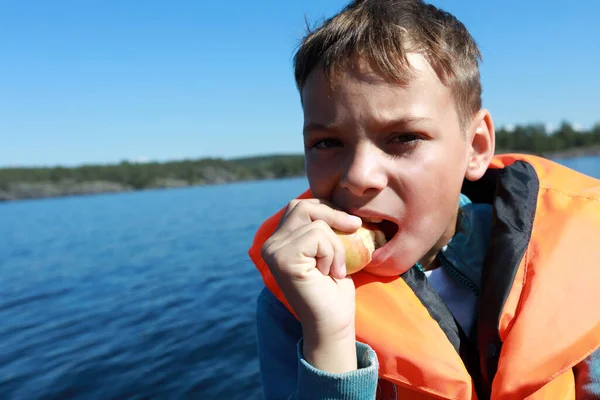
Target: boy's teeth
(373,220)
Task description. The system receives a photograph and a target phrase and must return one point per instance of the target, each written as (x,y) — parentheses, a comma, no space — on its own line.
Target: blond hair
(382,33)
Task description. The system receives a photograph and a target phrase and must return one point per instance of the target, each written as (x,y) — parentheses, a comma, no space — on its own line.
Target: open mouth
(384,230)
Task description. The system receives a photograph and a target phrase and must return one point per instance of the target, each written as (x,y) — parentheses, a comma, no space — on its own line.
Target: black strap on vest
(515,200)
(439,311)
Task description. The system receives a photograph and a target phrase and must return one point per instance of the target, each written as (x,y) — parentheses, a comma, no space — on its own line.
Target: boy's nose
(363,173)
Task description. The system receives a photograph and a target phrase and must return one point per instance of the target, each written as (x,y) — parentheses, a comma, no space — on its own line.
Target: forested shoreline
(29,183)
(42,182)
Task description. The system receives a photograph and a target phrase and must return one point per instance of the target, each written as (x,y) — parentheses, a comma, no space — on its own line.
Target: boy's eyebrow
(315,126)
(394,122)
(403,121)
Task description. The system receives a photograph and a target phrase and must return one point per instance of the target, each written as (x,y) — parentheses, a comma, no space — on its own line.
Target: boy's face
(380,150)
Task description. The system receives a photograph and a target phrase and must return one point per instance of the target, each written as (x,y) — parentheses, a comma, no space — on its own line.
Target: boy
(486,286)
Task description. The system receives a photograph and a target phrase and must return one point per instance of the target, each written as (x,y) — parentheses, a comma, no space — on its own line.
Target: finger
(284,227)
(293,204)
(316,244)
(325,253)
(336,264)
(304,212)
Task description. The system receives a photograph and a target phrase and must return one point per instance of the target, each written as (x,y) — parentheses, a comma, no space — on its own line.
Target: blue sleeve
(587,377)
(284,372)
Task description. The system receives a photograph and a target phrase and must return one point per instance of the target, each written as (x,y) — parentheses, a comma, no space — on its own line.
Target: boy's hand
(308,261)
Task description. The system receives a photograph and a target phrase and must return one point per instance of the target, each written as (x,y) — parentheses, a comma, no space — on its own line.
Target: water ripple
(145,295)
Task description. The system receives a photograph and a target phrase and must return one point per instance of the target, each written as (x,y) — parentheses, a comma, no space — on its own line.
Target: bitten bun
(360,246)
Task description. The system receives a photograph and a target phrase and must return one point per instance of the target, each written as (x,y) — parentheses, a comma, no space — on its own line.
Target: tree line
(531,138)
(155,174)
(534,138)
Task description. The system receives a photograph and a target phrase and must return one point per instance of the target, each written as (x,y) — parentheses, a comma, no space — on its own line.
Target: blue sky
(100,81)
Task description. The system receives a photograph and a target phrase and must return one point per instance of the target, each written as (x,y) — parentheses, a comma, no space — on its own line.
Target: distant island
(31,183)
(43,182)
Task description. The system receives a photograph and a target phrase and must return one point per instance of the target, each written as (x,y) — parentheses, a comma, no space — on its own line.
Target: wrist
(334,354)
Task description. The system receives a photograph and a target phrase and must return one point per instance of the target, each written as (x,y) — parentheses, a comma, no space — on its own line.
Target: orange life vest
(539,312)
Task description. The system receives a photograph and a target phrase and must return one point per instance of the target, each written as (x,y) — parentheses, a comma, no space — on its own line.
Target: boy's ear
(482,139)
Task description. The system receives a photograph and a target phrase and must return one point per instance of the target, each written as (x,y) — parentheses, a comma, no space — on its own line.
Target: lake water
(138,295)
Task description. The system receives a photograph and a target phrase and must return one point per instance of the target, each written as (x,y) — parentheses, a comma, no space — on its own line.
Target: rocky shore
(40,190)
(46,189)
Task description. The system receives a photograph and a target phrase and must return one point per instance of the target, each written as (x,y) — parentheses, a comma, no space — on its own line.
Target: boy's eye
(404,138)
(327,143)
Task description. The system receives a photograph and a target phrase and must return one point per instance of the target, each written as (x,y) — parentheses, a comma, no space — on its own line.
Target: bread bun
(360,246)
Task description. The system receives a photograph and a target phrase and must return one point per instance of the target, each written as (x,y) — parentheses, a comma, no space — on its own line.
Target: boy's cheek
(321,179)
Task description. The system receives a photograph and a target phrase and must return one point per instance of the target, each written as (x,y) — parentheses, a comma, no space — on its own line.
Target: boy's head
(393,121)
(382,33)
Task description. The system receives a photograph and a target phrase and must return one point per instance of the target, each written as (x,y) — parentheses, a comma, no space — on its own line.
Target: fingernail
(356,219)
(344,270)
